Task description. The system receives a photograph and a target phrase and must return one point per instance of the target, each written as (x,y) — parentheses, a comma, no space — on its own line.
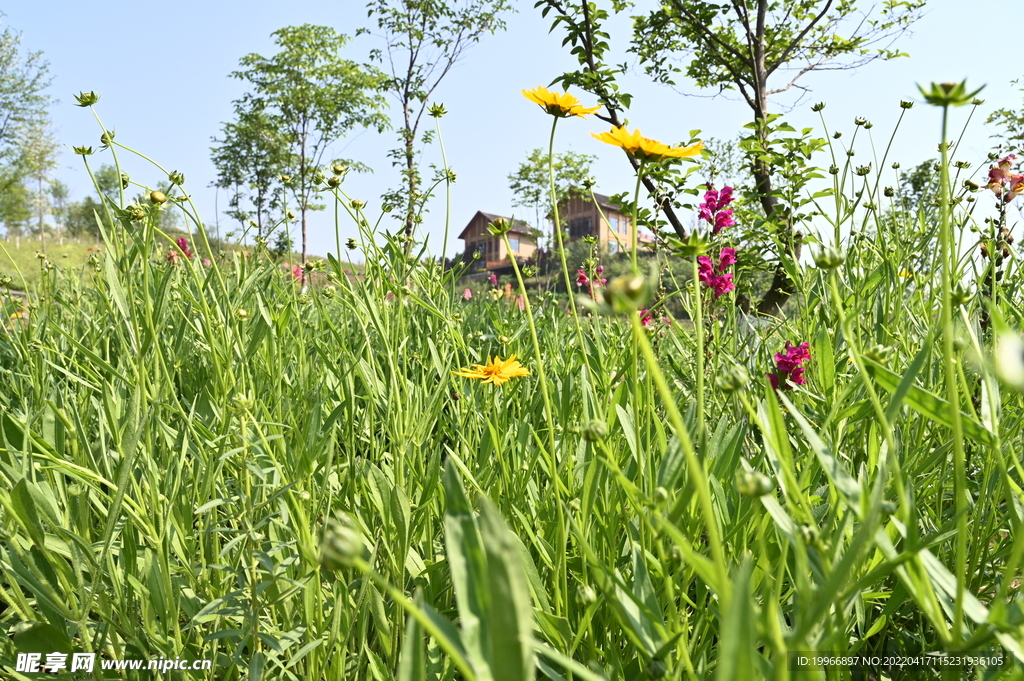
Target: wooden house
(493,254)
(604,220)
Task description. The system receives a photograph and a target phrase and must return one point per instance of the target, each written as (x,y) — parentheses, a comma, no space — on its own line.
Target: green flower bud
(859,121)
(290,215)
(83,151)
(107,137)
(818,107)
(960,295)
(754,484)
(341,544)
(833,170)
(351,244)
(906,104)
(829,258)
(333,181)
(971,185)
(878,353)
(157,197)
(241,314)
(499,227)
(358,205)
(437,110)
(732,378)
(949,94)
(586,596)
(626,294)
(87,98)
(889,192)
(125,179)
(595,430)
(339,169)
(174,177)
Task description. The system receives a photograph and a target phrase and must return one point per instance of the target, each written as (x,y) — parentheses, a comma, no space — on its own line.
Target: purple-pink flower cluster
(789,366)
(1003,182)
(172,256)
(716,278)
(714,211)
(583,280)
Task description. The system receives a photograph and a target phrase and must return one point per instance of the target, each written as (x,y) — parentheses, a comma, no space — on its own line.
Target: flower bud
(290,214)
(351,244)
(339,169)
(107,137)
(135,213)
(83,151)
(341,544)
(437,110)
(333,181)
(960,295)
(87,98)
(833,170)
(157,197)
(586,596)
(241,314)
(285,178)
(906,104)
(754,484)
(859,121)
(174,177)
(861,171)
(125,179)
(889,192)
(878,353)
(818,107)
(732,378)
(595,430)
(499,227)
(971,185)
(627,293)
(895,165)
(358,205)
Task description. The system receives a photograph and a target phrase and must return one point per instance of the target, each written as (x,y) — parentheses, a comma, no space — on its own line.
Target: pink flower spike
(520,302)
(724,219)
(467,294)
(726,258)
(725,197)
(494,279)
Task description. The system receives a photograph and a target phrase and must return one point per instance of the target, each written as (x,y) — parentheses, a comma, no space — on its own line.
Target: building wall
(575,212)
(493,249)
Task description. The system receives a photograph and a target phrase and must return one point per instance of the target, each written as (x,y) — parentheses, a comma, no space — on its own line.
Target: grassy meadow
(218,462)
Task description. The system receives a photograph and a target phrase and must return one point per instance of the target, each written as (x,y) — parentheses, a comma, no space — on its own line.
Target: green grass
(205,462)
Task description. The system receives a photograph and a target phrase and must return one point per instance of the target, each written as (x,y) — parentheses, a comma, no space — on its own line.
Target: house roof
(518,226)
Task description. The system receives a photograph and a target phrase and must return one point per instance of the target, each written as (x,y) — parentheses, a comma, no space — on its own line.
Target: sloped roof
(518,226)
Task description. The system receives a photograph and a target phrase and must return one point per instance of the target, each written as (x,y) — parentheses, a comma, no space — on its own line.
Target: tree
(530,184)
(745,46)
(39,152)
(424,39)
(250,160)
(1011,137)
(315,96)
(59,194)
(23,102)
(15,205)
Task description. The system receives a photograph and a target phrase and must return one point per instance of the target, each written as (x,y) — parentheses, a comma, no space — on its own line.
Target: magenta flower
(714,211)
(581,278)
(716,278)
(494,279)
(183,245)
(789,366)
(645,317)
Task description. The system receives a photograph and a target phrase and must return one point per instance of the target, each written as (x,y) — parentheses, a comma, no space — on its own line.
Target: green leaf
(737,650)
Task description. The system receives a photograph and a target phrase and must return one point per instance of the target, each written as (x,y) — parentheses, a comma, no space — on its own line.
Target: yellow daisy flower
(562,104)
(496,371)
(644,148)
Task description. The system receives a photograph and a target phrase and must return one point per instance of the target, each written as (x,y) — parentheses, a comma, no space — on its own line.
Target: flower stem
(698,321)
(952,392)
(561,583)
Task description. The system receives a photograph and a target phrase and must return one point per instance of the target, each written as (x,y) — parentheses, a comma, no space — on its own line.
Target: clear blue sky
(163,74)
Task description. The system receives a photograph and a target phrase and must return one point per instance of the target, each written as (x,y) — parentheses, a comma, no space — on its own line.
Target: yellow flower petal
(562,104)
(496,371)
(644,148)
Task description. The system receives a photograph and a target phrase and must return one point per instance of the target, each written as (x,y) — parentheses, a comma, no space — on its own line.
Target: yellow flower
(906,274)
(496,371)
(562,105)
(644,148)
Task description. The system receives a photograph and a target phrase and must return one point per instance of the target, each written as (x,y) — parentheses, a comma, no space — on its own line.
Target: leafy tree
(39,154)
(59,195)
(15,205)
(24,78)
(424,39)
(1011,138)
(250,160)
(759,48)
(315,97)
(80,218)
(530,184)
